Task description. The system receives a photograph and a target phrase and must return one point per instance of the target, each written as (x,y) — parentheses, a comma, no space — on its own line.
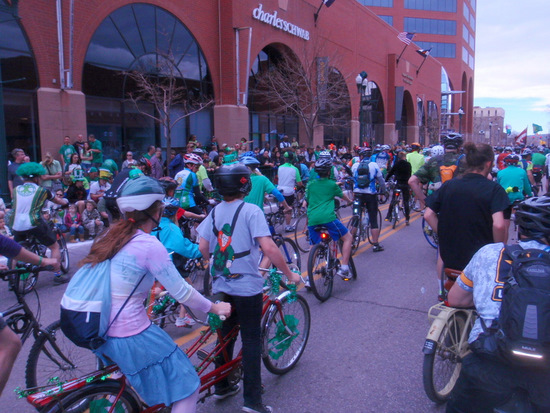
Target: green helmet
(30,170)
(139,193)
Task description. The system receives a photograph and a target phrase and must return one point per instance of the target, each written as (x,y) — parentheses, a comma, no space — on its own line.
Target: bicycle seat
(452,274)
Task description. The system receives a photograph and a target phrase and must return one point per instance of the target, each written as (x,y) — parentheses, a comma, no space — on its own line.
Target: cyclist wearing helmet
(415,158)
(515,182)
(28,200)
(202,173)
(153,364)
(501,156)
(526,163)
(333,172)
(232,235)
(189,191)
(289,179)
(430,171)
(485,384)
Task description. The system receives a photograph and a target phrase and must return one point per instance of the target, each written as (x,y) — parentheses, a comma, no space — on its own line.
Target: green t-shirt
(202,174)
(260,186)
(538,159)
(97,156)
(514,176)
(320,195)
(66,151)
(416,160)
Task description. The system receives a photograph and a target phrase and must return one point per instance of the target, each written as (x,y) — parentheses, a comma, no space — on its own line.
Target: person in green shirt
(66,151)
(415,158)
(96,148)
(320,194)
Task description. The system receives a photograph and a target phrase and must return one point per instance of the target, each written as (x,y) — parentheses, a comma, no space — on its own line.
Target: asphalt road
(364,351)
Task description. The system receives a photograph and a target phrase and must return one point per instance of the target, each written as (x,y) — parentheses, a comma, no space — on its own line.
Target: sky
(512,68)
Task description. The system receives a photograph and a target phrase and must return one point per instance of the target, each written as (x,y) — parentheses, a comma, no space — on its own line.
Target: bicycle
(285,331)
(361,223)
(28,280)
(430,234)
(323,265)
(396,205)
(52,354)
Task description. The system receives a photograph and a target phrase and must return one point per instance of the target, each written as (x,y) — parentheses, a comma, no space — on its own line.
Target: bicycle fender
(430,344)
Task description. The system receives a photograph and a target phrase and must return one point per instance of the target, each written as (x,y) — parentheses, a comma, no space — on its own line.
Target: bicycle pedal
(202,355)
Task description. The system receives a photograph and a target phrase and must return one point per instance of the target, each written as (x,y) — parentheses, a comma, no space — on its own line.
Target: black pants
(485,384)
(246,311)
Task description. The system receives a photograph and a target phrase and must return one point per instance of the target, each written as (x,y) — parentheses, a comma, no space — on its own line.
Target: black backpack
(522,332)
(363,174)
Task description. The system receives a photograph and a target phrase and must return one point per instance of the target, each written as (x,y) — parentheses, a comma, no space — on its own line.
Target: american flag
(521,138)
(405,37)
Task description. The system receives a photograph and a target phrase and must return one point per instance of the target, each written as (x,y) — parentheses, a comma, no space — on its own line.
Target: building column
(390,134)
(60,113)
(354,133)
(413,134)
(231,123)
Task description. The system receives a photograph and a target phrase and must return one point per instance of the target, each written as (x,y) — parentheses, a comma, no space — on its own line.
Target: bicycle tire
(382,198)
(64,251)
(54,355)
(429,234)
(352,268)
(356,239)
(81,400)
(290,252)
(395,215)
(319,274)
(301,234)
(368,229)
(441,368)
(278,356)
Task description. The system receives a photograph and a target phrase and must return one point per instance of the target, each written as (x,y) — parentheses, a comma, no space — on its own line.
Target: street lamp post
(491,133)
(481,136)
(362,82)
(460,115)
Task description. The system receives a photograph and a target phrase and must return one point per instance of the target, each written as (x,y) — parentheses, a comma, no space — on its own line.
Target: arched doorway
(140,35)
(406,122)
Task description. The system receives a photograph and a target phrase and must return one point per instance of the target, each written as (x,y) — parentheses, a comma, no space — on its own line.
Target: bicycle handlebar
(24,269)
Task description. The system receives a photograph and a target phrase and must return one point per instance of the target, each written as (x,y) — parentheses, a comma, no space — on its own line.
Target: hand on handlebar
(3,267)
(51,262)
(221,308)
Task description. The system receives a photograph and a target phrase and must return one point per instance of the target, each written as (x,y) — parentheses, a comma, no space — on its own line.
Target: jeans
(246,311)
(79,229)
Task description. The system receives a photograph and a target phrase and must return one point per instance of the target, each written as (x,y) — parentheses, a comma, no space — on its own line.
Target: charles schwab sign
(271,18)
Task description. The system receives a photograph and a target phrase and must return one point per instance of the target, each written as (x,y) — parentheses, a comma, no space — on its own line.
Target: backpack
(363,174)
(447,172)
(521,334)
(224,254)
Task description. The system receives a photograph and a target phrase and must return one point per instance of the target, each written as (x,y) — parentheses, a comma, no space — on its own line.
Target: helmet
(199,151)
(289,156)
(249,160)
(437,150)
(139,193)
(143,161)
(168,184)
(386,147)
(233,179)
(508,149)
(526,152)
(192,158)
(325,154)
(365,152)
(511,159)
(533,217)
(517,149)
(30,170)
(323,166)
(171,206)
(452,140)
(415,145)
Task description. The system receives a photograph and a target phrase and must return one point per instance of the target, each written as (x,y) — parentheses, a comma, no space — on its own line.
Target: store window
(439,49)
(377,3)
(433,5)
(430,26)
(149,38)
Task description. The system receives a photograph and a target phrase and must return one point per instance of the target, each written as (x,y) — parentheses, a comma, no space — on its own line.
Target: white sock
(344,267)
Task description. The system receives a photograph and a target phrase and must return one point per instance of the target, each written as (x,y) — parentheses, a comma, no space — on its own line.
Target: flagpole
(420,67)
(402,51)
(316,15)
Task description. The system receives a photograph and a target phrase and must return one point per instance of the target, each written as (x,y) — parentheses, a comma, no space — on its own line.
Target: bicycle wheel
(395,214)
(319,272)
(368,229)
(301,234)
(97,397)
(382,198)
(352,269)
(290,252)
(429,234)
(356,239)
(65,263)
(441,368)
(54,355)
(281,349)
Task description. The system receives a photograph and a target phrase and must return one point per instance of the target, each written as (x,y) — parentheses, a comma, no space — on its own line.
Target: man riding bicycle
(402,171)
(26,219)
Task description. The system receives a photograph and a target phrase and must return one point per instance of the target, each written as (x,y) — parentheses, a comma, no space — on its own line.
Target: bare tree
(310,89)
(158,81)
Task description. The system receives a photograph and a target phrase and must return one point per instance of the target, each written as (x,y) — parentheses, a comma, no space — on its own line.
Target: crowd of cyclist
(136,204)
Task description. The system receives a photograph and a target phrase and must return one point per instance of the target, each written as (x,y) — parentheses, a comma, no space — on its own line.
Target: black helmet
(233,179)
(511,159)
(452,140)
(146,164)
(289,156)
(323,166)
(366,151)
(533,217)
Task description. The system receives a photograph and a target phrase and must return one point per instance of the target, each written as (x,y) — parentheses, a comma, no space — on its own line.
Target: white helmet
(437,150)
(192,158)
(139,193)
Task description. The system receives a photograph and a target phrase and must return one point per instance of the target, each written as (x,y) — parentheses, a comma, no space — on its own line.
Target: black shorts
(507,212)
(42,232)
(290,199)
(370,202)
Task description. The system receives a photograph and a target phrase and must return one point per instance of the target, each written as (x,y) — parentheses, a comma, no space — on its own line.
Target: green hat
(93,169)
(31,169)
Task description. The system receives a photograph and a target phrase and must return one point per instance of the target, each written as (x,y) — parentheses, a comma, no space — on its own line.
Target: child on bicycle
(320,194)
(232,234)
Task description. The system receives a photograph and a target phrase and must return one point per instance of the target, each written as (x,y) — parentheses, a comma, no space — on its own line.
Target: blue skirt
(158,370)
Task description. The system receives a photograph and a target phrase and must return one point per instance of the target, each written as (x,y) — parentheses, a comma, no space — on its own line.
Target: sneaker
(185,321)
(60,279)
(407,222)
(289,228)
(307,284)
(377,248)
(344,274)
(227,392)
(260,408)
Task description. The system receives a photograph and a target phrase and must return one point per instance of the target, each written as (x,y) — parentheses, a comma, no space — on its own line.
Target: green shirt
(514,177)
(538,159)
(67,151)
(202,174)
(97,156)
(320,195)
(260,186)
(416,160)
